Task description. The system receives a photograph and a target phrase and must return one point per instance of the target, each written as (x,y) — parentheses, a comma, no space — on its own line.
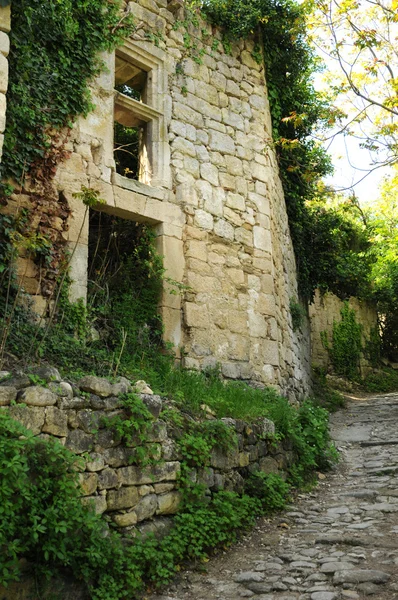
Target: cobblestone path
(341,541)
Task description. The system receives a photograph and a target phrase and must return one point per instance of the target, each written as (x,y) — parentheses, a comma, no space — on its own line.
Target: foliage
(297,312)
(46,89)
(339,245)
(200,438)
(269,488)
(44,521)
(360,40)
(323,394)
(42,517)
(120,328)
(382,381)
(383,225)
(346,347)
(372,347)
(135,423)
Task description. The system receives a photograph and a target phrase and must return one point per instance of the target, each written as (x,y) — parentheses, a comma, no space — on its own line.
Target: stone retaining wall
(324,311)
(128,493)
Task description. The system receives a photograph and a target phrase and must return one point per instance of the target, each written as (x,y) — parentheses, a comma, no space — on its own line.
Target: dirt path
(341,541)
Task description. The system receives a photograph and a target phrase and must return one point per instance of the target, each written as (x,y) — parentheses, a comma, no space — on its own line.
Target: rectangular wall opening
(130,129)
(124,288)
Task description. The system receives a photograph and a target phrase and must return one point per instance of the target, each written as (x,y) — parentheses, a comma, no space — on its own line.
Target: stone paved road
(341,541)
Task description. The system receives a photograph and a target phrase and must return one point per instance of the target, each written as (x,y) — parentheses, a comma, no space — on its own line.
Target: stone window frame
(152,61)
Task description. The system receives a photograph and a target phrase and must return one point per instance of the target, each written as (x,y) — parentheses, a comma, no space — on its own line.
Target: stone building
(208,184)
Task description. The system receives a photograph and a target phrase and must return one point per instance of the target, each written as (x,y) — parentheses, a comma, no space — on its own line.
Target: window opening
(130,130)
(124,286)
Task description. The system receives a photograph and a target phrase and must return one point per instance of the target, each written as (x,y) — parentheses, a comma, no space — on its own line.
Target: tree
(383,224)
(359,40)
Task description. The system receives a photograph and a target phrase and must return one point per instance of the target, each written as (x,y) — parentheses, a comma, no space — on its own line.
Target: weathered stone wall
(215,199)
(113,479)
(324,311)
(5,26)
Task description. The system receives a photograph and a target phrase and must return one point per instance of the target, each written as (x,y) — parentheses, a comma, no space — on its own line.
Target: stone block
(162,488)
(224,461)
(125,497)
(153,403)
(158,432)
(209,173)
(166,471)
(5,18)
(224,230)
(79,442)
(270,352)
(268,465)
(126,520)
(243,459)
(262,239)
(96,385)
(78,270)
(196,315)
(62,389)
(37,396)
(221,142)
(237,321)
(8,394)
(3,74)
(3,108)
(46,372)
(95,462)
(172,330)
(30,418)
(97,503)
(106,404)
(203,220)
(206,92)
(227,181)
(56,422)
(172,250)
(184,146)
(235,201)
(243,236)
(88,483)
(146,507)
(168,504)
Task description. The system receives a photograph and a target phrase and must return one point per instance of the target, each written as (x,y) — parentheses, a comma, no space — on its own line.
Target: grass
(323,394)
(385,380)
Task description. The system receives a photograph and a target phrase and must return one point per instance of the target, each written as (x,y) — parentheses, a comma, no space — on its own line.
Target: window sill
(138,187)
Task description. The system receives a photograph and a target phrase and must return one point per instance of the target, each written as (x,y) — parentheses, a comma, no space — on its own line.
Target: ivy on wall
(55,54)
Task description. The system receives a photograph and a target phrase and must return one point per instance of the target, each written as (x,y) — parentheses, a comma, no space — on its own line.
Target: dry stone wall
(131,495)
(324,311)
(215,198)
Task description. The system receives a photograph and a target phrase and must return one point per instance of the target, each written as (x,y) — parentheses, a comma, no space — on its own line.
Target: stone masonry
(112,477)
(5,26)
(211,190)
(324,311)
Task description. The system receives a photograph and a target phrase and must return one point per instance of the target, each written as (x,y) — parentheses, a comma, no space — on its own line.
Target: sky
(351,164)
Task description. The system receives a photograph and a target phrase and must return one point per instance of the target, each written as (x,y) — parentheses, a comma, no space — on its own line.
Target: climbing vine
(55,53)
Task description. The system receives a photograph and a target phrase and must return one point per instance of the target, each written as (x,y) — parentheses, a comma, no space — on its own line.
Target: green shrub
(297,312)
(269,488)
(385,380)
(323,394)
(346,347)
